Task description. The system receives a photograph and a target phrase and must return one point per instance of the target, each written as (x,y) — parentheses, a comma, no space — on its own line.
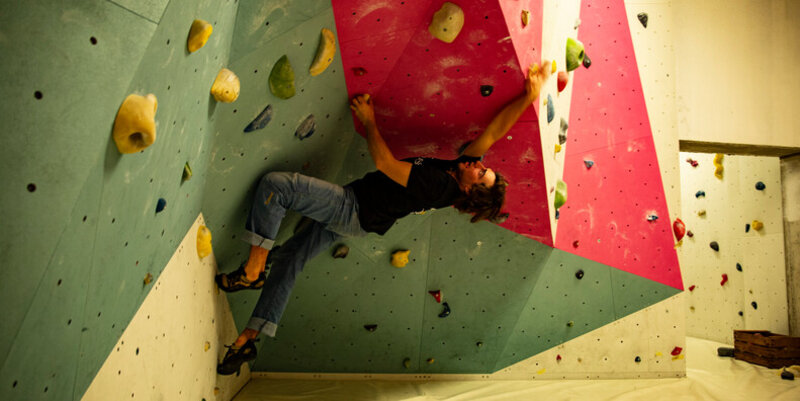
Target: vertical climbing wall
(753,297)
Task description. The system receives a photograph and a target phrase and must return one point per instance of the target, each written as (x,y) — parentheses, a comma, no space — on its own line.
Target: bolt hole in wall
(732,256)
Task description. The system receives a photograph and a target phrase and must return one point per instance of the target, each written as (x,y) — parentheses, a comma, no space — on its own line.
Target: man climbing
(369,204)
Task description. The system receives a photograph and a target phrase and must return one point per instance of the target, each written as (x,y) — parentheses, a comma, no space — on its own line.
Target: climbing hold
(400,258)
(689,233)
(691,288)
(701,212)
(714,245)
(676,351)
(679,229)
(570,323)
(371,327)
(637,359)
(724,279)
(486,90)
(754,304)
(747,227)
(588,164)
(553,67)
(575,243)
(575,54)
(526,17)
(577,23)
(198,35)
(558,358)
(203,241)
(206,346)
(551,109)
(261,120)
(407,363)
(757,225)
(561,194)
(445,311)
(579,274)
(787,375)
(652,217)
(741,313)
(430,361)
(325,52)
(692,162)
(541,371)
(557,214)
(738,267)
(160,205)
(725,351)
(587,62)
(187,172)
(562,138)
(358,71)
(148,278)
(718,165)
(226,86)
(700,194)
(341,251)
(557,148)
(760,186)
(135,126)
(437,295)
(479,344)
(306,128)
(643,19)
(281,79)
(563,79)
(447,22)
(564,126)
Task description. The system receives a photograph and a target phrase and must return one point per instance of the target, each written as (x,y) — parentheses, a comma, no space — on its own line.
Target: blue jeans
(334,211)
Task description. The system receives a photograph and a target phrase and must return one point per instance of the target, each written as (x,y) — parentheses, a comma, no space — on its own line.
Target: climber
(370,204)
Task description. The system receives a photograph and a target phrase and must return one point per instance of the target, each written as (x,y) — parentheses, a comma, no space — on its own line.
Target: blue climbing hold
(261,121)
(486,90)
(738,267)
(551,109)
(699,194)
(557,214)
(579,274)
(588,163)
(306,128)
(747,228)
(714,245)
(446,311)
(652,217)
(638,359)
(754,304)
(760,186)
(162,203)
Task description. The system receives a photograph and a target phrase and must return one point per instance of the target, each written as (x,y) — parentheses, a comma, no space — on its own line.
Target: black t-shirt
(381,201)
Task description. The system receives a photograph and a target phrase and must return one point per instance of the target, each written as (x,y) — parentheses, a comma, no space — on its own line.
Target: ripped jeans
(334,211)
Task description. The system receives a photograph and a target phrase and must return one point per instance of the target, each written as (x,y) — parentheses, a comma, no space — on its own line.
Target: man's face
(473,173)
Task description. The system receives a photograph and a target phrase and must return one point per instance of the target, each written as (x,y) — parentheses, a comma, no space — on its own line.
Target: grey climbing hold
(588,163)
(643,19)
(341,251)
(700,194)
(760,186)
(579,274)
(562,138)
(551,109)
(564,128)
(306,128)
(446,311)
(162,203)
(738,267)
(486,90)
(725,351)
(714,245)
(261,120)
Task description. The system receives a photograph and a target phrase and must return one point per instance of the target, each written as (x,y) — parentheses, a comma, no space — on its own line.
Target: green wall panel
(56,141)
(633,293)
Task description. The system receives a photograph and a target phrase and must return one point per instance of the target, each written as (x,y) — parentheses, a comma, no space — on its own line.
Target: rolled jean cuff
(257,240)
(263,326)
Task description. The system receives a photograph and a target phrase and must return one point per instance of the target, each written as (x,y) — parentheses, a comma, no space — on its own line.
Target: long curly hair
(485,203)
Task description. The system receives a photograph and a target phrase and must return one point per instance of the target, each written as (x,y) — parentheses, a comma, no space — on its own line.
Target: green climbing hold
(187,172)
(575,54)
(281,79)
(561,194)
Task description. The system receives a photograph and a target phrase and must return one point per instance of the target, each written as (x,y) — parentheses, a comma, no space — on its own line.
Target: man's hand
(537,76)
(362,106)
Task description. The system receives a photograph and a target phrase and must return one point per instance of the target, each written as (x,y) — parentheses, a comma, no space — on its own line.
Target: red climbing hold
(575,244)
(558,358)
(358,71)
(692,162)
(676,351)
(436,295)
(724,279)
(679,228)
(563,79)
(691,288)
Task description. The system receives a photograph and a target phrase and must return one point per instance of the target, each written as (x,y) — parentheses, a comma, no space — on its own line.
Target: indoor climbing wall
(171,346)
(734,266)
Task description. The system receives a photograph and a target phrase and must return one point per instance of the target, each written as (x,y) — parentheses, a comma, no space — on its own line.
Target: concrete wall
(790,176)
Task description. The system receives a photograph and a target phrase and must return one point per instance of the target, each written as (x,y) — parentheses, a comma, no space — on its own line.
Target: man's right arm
(397,170)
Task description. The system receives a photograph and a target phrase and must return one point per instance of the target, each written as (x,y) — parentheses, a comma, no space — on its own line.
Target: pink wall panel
(427,92)
(608,205)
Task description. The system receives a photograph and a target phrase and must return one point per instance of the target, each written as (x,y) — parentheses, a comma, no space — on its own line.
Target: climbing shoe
(235,357)
(237,280)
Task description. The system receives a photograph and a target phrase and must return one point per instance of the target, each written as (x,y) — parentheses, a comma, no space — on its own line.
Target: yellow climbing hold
(447,22)
(659,354)
(561,194)
(541,372)
(757,225)
(526,17)
(207,346)
(148,278)
(226,87)
(400,258)
(325,52)
(203,241)
(198,35)
(558,148)
(135,125)
(701,212)
(553,67)
(676,357)
(430,361)
(718,165)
